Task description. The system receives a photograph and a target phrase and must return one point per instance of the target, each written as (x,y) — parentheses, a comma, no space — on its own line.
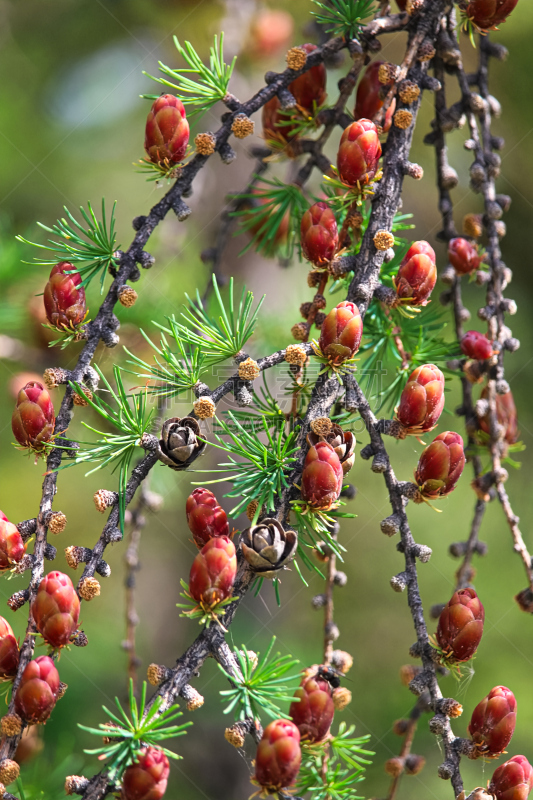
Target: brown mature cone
(268,547)
(179,445)
(343,442)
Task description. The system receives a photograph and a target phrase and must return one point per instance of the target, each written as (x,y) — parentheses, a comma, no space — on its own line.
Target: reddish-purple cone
(205,517)
(309,91)
(319,236)
(64,298)
(476,345)
(313,711)
(513,780)
(278,758)
(277,126)
(487,14)
(460,626)
(213,572)
(402,4)
(417,275)
(33,419)
(359,153)
(506,414)
(370,95)
(147,778)
(322,476)
(167,131)
(493,722)
(463,256)
(56,609)
(38,690)
(341,332)
(440,465)
(422,400)
(12,548)
(9,651)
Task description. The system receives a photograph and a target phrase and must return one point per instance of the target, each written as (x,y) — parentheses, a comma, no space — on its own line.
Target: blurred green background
(71,125)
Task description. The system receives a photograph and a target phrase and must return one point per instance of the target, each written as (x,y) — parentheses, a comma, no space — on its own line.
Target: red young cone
(318,234)
(64,298)
(402,4)
(9,651)
(476,345)
(370,96)
(359,153)
(3,517)
(512,780)
(147,778)
(506,414)
(278,758)
(422,400)
(417,275)
(487,14)
(275,120)
(167,130)
(213,572)
(12,548)
(205,517)
(56,609)
(38,690)
(313,712)
(309,89)
(463,256)
(322,476)
(493,722)
(33,419)
(341,332)
(460,626)
(440,465)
